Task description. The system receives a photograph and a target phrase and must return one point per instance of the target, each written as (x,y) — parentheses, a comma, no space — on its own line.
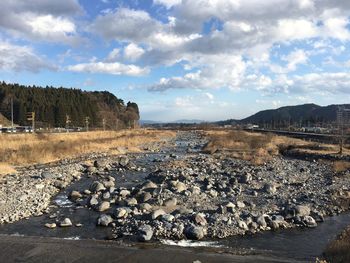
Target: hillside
(51,105)
(300,114)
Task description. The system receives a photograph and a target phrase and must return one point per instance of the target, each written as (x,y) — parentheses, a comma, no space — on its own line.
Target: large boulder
(104,220)
(194,232)
(145,233)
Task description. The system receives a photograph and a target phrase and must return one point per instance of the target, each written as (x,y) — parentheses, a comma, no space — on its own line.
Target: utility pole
(31,117)
(12,113)
(68,121)
(87,123)
(104,124)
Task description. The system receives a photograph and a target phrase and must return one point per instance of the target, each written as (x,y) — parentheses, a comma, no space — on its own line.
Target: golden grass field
(259,148)
(24,149)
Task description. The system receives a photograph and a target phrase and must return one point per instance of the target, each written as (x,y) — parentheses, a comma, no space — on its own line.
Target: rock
(104,220)
(180,187)
(149,185)
(97,187)
(245,178)
(75,195)
(171,202)
(120,212)
(270,188)
(309,221)
(60,185)
(108,184)
(240,204)
(145,233)
(213,193)
(91,170)
(145,207)
(50,225)
(261,221)
(144,197)
(131,201)
(242,225)
(199,219)
(124,193)
(302,210)
(230,207)
(105,205)
(194,232)
(106,195)
(157,213)
(47,175)
(123,161)
(93,201)
(168,218)
(66,222)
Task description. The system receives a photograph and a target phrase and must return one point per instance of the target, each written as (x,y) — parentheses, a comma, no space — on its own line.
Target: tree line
(53,105)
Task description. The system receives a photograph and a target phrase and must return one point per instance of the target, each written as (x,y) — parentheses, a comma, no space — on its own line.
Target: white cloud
(21,58)
(113,55)
(109,68)
(133,52)
(41,20)
(167,3)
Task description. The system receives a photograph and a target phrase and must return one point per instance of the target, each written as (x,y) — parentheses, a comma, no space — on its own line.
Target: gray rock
(106,195)
(131,201)
(194,232)
(180,187)
(123,161)
(170,202)
(50,225)
(199,219)
(105,205)
(245,178)
(93,201)
(242,225)
(120,212)
(124,193)
(168,218)
(75,195)
(309,221)
(149,185)
(144,197)
(97,187)
(47,175)
(270,188)
(302,210)
(104,220)
(261,221)
(145,207)
(66,222)
(157,213)
(240,204)
(145,233)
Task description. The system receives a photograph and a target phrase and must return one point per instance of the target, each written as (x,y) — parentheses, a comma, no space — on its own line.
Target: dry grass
(253,147)
(259,148)
(23,149)
(341,166)
(339,249)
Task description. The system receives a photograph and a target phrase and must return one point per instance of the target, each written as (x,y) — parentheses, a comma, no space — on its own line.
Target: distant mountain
(53,105)
(302,114)
(185,121)
(149,122)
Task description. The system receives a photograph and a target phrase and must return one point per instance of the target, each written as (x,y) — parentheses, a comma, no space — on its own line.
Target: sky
(183,59)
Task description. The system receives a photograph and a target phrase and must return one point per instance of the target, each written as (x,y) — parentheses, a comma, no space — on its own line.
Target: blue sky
(189,59)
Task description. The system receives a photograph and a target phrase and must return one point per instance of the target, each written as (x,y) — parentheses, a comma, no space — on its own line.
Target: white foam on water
(190,243)
(72,238)
(63,201)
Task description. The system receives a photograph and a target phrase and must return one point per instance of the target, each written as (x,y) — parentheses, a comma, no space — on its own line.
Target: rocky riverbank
(186,194)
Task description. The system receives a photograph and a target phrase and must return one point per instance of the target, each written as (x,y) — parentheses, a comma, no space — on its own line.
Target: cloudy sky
(183,59)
